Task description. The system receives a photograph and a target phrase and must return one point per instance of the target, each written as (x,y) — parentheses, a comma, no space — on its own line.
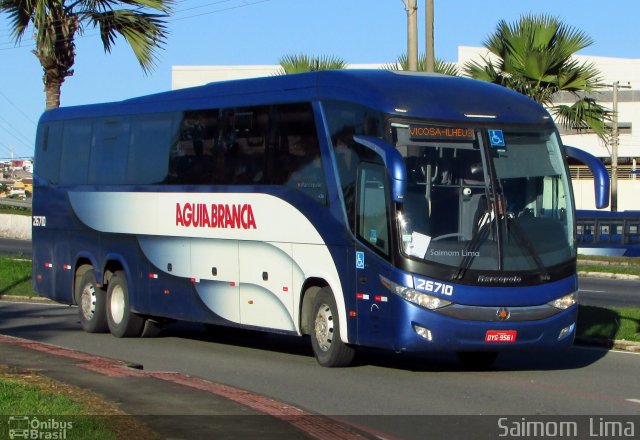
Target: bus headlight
(420,298)
(564,302)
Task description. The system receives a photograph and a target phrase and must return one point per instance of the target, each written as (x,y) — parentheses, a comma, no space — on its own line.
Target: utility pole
(411,6)
(615,142)
(431,57)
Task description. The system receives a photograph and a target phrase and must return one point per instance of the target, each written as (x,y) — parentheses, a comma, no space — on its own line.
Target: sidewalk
(174,405)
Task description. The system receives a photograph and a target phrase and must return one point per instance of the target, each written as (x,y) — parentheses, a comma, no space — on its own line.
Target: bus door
(372,252)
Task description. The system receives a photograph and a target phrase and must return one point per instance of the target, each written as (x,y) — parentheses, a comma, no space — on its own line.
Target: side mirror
(393,161)
(599,171)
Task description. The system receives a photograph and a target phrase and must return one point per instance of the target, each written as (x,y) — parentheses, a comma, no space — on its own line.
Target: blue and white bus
(407,212)
(607,233)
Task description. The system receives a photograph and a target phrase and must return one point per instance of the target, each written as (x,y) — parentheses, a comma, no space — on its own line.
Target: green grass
(15,277)
(622,265)
(19,399)
(609,323)
(615,261)
(15,210)
(627,270)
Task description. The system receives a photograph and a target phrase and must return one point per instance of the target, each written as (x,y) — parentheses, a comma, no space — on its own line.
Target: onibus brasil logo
(33,428)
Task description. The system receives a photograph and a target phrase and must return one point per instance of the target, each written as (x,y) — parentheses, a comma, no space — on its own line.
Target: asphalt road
(380,391)
(609,293)
(9,246)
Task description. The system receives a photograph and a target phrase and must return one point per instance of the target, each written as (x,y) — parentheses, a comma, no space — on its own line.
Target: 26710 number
(39,220)
(433,286)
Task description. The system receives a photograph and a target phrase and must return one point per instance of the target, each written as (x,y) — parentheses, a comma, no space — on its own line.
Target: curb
(312,425)
(28,299)
(616,344)
(610,276)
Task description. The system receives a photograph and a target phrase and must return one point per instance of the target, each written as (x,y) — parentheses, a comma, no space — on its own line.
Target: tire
(91,301)
(328,348)
(123,323)
(477,360)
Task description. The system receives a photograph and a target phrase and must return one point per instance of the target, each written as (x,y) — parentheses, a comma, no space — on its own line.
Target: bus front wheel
(91,301)
(328,348)
(123,323)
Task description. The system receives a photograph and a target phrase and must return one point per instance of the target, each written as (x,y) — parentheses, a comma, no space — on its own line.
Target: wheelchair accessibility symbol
(359,260)
(496,137)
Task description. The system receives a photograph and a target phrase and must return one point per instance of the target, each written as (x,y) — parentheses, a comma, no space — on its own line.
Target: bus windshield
(479,203)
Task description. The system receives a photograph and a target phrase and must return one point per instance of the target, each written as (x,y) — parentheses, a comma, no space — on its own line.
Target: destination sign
(430,132)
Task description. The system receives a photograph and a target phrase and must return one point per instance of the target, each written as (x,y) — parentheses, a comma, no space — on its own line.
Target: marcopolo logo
(33,428)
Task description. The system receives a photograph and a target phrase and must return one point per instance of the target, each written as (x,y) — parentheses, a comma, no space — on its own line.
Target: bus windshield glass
(487,203)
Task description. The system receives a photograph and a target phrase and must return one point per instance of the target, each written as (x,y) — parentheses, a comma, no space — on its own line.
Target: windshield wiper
(524,242)
(470,249)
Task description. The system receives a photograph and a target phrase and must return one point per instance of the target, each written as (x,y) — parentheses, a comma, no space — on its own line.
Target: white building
(623,70)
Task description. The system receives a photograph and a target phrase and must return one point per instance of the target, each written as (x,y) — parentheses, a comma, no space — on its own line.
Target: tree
(305,63)
(534,57)
(56,23)
(441,67)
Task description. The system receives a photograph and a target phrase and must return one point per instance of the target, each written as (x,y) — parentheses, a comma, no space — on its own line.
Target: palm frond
(585,114)
(20,14)
(304,63)
(56,22)
(144,32)
(535,57)
(442,67)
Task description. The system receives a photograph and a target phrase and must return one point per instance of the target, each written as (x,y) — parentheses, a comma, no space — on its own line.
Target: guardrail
(625,172)
(16,203)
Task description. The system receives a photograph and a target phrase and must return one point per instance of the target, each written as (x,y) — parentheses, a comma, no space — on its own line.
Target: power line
(16,135)
(220,10)
(22,44)
(18,108)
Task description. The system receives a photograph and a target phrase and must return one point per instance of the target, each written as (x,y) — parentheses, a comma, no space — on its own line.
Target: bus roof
(419,95)
(591,214)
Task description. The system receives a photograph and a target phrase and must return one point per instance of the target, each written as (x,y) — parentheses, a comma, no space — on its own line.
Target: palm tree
(441,66)
(534,57)
(56,23)
(305,63)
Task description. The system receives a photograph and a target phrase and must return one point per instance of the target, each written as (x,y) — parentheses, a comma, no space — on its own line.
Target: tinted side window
(373,226)
(109,151)
(151,139)
(245,144)
(346,120)
(192,156)
(297,161)
(48,151)
(76,147)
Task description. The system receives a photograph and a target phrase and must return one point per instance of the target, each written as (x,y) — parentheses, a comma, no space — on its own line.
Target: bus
(607,233)
(398,211)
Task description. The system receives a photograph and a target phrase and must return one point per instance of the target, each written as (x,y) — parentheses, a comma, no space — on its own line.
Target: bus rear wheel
(91,301)
(123,323)
(327,345)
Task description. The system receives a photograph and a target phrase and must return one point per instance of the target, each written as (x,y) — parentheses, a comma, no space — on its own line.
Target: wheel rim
(88,301)
(324,327)
(117,304)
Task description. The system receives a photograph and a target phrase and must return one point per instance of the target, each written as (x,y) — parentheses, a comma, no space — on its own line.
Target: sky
(252,32)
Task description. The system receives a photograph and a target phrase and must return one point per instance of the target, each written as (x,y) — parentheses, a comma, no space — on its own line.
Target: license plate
(501,336)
